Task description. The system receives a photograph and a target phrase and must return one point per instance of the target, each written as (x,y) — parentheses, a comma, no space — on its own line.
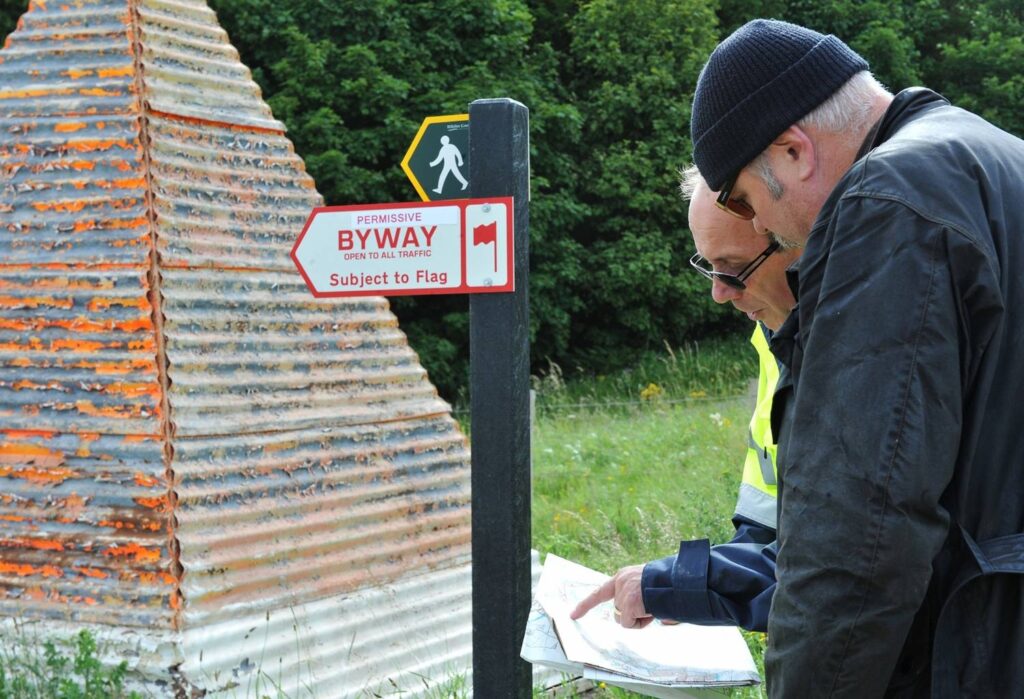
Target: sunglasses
(736,281)
(736,207)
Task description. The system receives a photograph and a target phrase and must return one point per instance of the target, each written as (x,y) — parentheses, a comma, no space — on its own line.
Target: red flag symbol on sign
(487,233)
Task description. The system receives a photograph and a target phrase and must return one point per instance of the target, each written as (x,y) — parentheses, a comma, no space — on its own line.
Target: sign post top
(437,162)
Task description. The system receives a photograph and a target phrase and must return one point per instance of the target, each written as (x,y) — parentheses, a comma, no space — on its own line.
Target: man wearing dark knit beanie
(901,488)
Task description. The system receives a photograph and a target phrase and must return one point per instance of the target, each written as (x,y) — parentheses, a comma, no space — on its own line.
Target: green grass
(626,467)
(611,488)
(33,668)
(717,367)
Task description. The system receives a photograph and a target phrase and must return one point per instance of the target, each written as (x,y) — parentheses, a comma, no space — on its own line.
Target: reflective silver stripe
(756,505)
(763,458)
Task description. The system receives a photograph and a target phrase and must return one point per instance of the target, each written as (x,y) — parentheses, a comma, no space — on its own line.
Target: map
(658,660)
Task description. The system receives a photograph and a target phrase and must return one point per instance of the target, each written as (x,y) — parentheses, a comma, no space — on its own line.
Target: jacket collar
(905,105)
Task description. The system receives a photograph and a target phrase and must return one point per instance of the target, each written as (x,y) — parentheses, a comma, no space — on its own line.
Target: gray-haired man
(901,487)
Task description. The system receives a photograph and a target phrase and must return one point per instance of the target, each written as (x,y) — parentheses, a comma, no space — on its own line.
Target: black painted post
(499,372)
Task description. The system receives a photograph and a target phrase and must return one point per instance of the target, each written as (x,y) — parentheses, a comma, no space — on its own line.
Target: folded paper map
(659,660)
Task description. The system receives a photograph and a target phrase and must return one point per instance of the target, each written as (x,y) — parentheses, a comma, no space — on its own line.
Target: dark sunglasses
(736,281)
(725,202)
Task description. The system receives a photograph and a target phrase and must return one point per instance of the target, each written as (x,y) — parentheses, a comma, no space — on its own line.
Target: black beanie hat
(757,83)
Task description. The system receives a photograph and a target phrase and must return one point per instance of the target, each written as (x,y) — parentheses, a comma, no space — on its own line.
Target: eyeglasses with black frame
(736,207)
(736,281)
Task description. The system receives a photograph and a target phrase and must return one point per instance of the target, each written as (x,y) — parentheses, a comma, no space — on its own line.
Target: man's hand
(624,588)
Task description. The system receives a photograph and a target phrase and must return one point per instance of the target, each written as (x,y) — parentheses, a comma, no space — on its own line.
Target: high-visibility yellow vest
(757,498)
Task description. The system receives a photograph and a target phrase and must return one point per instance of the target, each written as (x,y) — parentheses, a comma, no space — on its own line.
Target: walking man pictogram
(452,162)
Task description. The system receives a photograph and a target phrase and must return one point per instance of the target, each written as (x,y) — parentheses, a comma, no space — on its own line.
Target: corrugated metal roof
(187,435)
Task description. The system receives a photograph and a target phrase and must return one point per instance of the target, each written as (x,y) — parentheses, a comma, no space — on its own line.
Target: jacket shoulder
(947,165)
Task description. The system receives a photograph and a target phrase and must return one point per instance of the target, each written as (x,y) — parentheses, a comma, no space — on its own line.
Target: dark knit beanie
(757,83)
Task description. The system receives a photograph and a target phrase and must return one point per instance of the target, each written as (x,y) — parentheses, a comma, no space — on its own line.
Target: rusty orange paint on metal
(36,92)
(70,126)
(82,325)
(185,119)
(34,302)
(31,543)
(153,578)
(145,480)
(23,449)
(158,503)
(123,72)
(141,554)
(112,411)
(135,438)
(103,304)
(95,573)
(93,145)
(25,570)
(115,368)
(24,434)
(43,476)
(115,524)
(27,385)
(65,266)
(98,92)
(84,346)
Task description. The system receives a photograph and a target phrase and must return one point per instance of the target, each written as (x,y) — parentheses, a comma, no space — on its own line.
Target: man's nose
(723,293)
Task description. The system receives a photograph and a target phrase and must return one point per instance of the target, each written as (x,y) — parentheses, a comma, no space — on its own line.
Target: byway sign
(456,247)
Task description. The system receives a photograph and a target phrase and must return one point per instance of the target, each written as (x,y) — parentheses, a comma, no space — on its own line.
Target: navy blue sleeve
(750,532)
(728,584)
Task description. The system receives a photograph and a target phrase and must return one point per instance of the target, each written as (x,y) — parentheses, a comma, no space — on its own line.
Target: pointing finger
(601,594)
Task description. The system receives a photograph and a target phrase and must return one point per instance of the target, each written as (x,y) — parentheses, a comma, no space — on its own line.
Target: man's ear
(793,151)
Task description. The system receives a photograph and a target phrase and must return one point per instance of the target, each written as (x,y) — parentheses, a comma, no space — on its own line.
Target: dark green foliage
(608,84)
(634,67)
(10,11)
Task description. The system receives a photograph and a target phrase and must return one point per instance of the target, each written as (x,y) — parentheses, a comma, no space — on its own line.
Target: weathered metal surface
(186,436)
(267,521)
(85,508)
(409,638)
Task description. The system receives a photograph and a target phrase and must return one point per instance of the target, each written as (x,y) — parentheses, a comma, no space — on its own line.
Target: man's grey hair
(689,179)
(845,113)
(763,169)
(848,109)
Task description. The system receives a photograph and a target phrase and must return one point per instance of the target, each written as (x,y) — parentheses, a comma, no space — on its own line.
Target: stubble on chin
(785,243)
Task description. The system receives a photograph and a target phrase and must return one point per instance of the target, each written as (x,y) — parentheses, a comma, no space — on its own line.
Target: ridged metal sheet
(252,352)
(77,351)
(191,69)
(226,195)
(410,638)
(84,510)
(186,435)
(84,528)
(266,521)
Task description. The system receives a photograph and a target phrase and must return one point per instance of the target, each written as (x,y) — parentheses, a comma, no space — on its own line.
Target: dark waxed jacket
(901,489)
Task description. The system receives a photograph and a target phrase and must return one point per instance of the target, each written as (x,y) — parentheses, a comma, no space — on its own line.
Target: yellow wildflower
(651,392)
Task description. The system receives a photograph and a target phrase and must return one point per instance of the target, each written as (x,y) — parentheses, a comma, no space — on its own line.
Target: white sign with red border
(458,246)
